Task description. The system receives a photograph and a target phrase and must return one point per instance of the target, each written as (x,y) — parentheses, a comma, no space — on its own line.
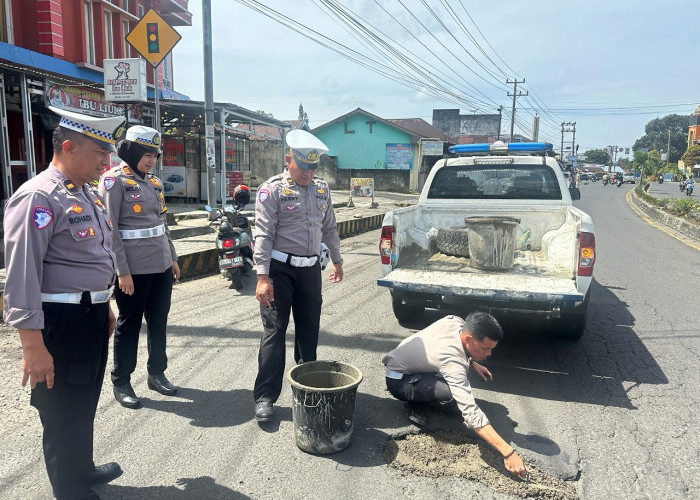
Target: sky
(609,66)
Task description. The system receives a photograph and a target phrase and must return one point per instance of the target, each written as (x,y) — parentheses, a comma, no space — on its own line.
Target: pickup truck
(424,248)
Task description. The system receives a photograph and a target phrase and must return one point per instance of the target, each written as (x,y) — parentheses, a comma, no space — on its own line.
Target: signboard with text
(88,101)
(125,80)
(235,178)
(362,187)
(431,148)
(399,156)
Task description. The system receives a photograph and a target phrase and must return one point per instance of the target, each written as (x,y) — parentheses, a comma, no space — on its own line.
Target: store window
(109,36)
(89,33)
(140,11)
(6,21)
(127,47)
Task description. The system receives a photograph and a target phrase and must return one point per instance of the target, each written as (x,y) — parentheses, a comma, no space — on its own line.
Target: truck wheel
(572,324)
(453,241)
(405,313)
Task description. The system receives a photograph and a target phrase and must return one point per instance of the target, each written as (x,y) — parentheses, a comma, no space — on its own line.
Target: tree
(597,156)
(654,164)
(623,163)
(692,156)
(656,135)
(302,114)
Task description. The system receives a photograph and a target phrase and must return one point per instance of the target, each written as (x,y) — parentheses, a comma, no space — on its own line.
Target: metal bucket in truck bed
(491,242)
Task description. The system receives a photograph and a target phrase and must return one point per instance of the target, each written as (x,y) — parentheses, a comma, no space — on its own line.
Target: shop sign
(431,148)
(233,179)
(173,151)
(125,80)
(88,101)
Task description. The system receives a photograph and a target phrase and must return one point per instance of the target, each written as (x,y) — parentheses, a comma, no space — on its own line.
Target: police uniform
(60,270)
(144,250)
(291,222)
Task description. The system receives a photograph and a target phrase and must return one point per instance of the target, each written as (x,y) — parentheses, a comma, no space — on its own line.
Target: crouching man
(432,365)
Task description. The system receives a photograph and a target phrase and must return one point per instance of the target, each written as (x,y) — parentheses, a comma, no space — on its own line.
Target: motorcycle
(689,189)
(619,183)
(235,239)
(681,185)
(605,182)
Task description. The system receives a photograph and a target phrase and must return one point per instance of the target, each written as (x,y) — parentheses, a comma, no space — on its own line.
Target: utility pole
(564,128)
(500,116)
(209,106)
(514,95)
(668,148)
(573,139)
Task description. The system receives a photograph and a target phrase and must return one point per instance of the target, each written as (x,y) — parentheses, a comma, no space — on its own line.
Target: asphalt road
(616,412)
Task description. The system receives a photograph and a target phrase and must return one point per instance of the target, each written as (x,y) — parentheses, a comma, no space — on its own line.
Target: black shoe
(106,473)
(263,411)
(126,396)
(416,414)
(161,384)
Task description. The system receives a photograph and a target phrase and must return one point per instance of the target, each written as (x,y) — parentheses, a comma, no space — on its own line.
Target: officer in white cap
(146,261)
(60,273)
(293,216)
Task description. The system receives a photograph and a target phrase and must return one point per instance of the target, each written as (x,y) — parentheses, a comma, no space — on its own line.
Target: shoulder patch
(42,217)
(127,170)
(109,182)
(263,195)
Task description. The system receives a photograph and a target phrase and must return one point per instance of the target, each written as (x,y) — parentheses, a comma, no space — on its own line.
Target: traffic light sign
(153,42)
(153,37)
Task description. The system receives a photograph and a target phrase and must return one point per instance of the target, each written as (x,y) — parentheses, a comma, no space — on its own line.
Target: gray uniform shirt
(58,239)
(439,348)
(136,203)
(293,219)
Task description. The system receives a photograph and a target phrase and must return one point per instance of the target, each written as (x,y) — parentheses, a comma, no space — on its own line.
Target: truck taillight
(586,253)
(385,244)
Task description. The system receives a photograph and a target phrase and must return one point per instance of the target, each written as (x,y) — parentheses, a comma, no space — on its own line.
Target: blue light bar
(513,146)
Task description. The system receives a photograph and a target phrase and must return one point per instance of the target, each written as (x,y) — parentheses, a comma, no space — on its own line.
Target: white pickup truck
(549,245)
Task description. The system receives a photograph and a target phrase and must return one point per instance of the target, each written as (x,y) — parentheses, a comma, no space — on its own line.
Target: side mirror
(207,208)
(575,193)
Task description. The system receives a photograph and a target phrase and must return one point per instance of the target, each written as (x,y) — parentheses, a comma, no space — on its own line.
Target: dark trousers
(420,388)
(151,300)
(296,289)
(77,337)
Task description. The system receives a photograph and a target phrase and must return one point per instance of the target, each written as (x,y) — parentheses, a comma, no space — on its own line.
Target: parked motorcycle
(689,188)
(235,240)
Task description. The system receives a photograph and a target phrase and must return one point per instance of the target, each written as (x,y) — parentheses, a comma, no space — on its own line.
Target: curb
(207,261)
(677,223)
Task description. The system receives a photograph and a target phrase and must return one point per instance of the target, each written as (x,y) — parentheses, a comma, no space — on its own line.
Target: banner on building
(362,187)
(125,80)
(399,156)
(88,101)
(233,179)
(431,148)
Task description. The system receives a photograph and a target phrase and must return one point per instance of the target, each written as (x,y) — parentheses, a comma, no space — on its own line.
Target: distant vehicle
(584,177)
(629,177)
(616,177)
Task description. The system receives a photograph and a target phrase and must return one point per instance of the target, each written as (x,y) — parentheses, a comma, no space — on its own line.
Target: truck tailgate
(484,285)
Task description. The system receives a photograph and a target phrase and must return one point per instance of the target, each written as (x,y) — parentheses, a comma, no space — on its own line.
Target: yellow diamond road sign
(153,37)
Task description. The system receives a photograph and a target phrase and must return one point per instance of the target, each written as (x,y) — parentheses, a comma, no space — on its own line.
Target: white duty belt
(74,298)
(135,234)
(393,374)
(294,260)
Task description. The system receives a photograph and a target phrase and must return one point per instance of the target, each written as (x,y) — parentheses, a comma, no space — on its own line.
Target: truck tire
(572,324)
(405,313)
(453,241)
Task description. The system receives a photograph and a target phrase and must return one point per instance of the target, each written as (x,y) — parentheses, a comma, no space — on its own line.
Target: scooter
(689,188)
(234,241)
(681,185)
(619,183)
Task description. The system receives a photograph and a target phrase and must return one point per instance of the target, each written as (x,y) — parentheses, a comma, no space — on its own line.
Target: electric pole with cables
(514,95)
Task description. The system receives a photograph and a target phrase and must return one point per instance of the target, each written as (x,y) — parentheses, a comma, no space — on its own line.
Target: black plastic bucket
(323,405)
(491,242)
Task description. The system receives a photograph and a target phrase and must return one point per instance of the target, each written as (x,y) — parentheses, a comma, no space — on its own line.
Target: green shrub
(683,206)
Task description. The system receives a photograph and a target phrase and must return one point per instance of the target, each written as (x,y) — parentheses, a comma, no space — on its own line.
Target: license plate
(230,262)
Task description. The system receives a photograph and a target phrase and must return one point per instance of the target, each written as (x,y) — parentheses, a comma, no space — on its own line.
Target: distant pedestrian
(60,275)
(293,217)
(431,366)
(146,262)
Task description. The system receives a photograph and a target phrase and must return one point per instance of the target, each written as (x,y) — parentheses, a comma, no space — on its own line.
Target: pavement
(194,237)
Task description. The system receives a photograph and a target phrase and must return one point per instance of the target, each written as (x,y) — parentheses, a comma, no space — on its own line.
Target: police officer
(293,216)
(60,270)
(146,261)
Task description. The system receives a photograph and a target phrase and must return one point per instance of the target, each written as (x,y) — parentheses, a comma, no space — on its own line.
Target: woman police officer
(146,261)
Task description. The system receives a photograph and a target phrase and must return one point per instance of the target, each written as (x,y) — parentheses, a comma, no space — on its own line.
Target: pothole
(455,454)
